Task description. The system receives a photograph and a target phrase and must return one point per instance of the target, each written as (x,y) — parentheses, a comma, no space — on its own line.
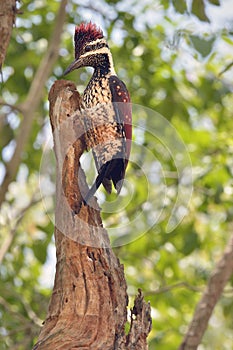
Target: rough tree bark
(88,307)
(7,19)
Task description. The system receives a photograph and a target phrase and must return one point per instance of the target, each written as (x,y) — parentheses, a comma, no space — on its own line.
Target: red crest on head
(84,33)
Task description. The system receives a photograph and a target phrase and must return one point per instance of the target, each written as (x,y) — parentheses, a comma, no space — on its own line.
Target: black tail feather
(93,189)
(118,175)
(112,170)
(107,183)
(97,183)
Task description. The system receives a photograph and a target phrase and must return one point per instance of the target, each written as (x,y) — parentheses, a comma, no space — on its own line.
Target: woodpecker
(106,103)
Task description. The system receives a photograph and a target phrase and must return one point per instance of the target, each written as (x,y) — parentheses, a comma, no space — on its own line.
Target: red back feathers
(84,33)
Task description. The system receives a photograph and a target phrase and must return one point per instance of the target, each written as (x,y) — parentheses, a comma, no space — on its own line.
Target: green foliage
(171,68)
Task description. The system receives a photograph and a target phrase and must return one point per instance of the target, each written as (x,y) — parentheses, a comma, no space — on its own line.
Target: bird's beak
(74,65)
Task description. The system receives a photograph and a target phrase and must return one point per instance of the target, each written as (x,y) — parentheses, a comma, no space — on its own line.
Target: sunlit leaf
(40,251)
(202,45)
(215,2)
(198,9)
(180,6)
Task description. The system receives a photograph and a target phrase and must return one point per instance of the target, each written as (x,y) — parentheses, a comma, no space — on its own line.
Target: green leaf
(191,242)
(6,134)
(198,9)
(203,46)
(180,6)
(40,250)
(226,68)
(215,2)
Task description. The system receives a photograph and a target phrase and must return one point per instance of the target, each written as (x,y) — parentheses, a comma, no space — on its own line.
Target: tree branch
(11,106)
(205,307)
(30,105)
(168,288)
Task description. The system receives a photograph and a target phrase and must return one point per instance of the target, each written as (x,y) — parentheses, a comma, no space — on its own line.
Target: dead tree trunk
(87,309)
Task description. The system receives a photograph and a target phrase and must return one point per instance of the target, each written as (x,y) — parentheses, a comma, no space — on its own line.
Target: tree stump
(88,306)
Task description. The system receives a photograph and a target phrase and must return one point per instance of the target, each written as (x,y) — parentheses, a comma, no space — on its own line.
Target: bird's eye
(88,48)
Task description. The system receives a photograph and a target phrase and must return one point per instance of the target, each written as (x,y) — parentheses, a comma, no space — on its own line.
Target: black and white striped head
(91,49)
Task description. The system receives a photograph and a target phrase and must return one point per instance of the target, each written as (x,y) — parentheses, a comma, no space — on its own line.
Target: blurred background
(176,58)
